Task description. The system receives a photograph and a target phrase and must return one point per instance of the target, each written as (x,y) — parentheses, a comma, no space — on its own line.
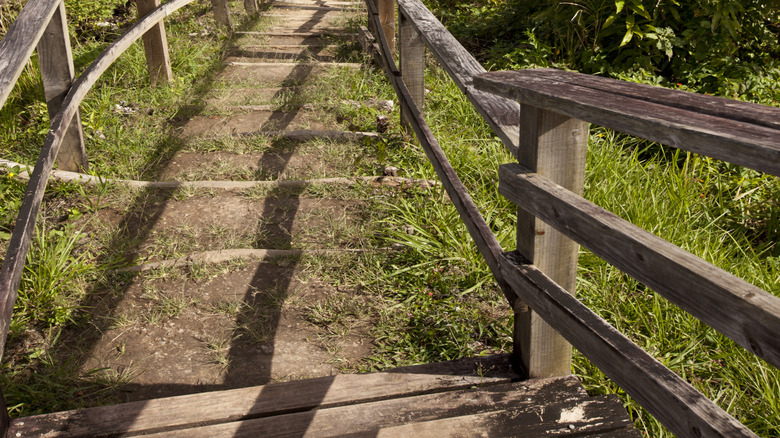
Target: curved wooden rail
(11,272)
(19,42)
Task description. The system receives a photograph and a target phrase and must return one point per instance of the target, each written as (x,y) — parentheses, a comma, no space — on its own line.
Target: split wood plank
(18,44)
(155,40)
(222,14)
(281,398)
(522,397)
(593,416)
(411,56)
(672,400)
(478,229)
(751,144)
(745,313)
(56,61)
(554,146)
(386,11)
(503,115)
(11,271)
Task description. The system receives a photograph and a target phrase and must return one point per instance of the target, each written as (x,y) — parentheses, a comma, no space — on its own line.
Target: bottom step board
(468,397)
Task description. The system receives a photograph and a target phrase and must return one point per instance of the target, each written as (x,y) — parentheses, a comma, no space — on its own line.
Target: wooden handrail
(742,133)
(738,309)
(19,42)
(747,314)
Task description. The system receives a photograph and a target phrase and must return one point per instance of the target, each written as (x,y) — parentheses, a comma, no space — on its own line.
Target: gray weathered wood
(155,46)
(522,398)
(386,11)
(19,42)
(411,56)
(503,115)
(745,313)
(56,62)
(11,271)
(752,144)
(554,146)
(674,402)
(222,14)
(251,7)
(599,417)
(275,399)
(478,229)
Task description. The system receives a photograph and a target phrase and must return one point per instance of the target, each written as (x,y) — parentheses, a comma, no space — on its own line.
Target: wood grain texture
(667,396)
(522,399)
(411,54)
(11,271)
(501,114)
(554,146)
(155,40)
(480,232)
(56,62)
(19,42)
(596,417)
(222,14)
(386,11)
(745,313)
(704,131)
(282,398)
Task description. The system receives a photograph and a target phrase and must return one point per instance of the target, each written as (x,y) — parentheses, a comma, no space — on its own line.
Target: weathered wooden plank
(56,62)
(155,46)
(667,396)
(281,398)
(715,106)
(745,313)
(19,42)
(596,416)
(478,229)
(222,14)
(386,11)
(524,398)
(554,146)
(411,56)
(735,141)
(501,114)
(11,271)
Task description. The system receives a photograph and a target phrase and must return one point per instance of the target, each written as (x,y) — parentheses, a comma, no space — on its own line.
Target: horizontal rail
(677,404)
(745,313)
(502,115)
(20,41)
(715,130)
(485,240)
(11,272)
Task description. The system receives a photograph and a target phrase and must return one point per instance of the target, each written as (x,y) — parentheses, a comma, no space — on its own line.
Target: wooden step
(231,406)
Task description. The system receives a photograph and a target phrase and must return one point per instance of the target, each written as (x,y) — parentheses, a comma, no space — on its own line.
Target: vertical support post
(411,55)
(386,10)
(155,47)
(222,14)
(555,147)
(251,6)
(56,61)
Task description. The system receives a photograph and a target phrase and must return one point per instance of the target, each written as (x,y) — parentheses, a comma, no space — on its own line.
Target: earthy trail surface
(248,320)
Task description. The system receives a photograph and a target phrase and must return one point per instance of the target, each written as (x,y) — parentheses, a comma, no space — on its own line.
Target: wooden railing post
(56,61)
(411,56)
(386,10)
(222,14)
(553,146)
(251,6)
(156,46)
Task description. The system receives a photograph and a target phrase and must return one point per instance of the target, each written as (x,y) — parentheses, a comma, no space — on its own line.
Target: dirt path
(245,321)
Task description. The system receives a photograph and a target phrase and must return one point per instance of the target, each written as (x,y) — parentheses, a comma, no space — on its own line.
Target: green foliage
(11,192)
